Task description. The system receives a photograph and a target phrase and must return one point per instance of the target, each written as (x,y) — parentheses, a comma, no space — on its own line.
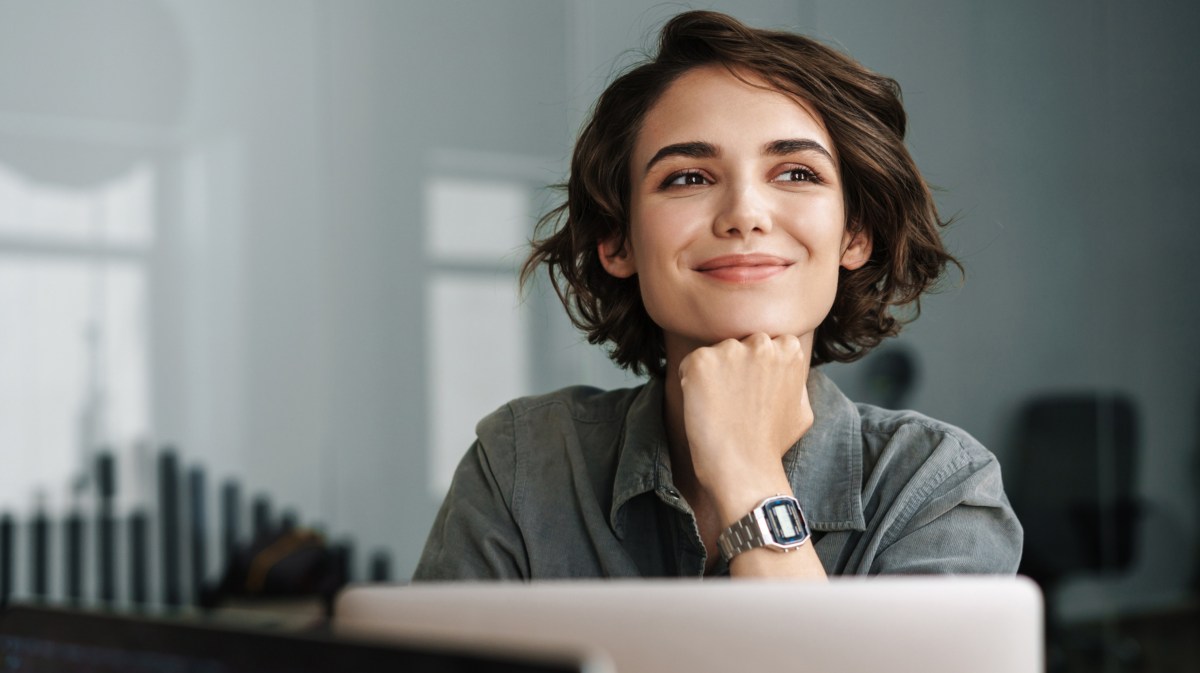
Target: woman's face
(737,221)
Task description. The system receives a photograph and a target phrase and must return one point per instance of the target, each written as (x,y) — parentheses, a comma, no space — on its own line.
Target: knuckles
(756,350)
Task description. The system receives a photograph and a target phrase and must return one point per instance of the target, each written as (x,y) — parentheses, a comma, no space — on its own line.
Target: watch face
(785,521)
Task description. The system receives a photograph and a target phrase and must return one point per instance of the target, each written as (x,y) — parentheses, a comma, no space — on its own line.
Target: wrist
(735,500)
(776,524)
(738,475)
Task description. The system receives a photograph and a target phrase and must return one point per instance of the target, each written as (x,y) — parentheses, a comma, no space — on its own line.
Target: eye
(685,179)
(798,174)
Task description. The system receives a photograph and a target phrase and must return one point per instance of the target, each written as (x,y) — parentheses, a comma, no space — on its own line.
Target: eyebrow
(794,145)
(701,150)
(695,149)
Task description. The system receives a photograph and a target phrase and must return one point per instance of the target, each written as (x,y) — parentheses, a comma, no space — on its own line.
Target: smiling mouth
(743,268)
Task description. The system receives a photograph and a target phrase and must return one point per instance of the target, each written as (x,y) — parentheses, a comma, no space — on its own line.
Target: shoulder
(914,460)
(921,464)
(534,445)
(540,428)
(918,438)
(576,404)
(938,495)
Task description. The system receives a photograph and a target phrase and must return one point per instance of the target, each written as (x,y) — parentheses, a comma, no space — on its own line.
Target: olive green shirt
(577,483)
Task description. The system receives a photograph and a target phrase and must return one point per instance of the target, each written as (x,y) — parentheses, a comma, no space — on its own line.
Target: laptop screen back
(895,624)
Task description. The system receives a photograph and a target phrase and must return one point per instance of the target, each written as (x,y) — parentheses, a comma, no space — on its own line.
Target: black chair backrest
(1074,485)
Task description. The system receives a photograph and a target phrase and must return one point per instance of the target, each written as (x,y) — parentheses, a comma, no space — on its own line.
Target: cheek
(652,262)
(825,234)
(657,235)
(652,284)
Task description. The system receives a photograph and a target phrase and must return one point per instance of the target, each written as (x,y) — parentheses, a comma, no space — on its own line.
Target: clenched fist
(744,405)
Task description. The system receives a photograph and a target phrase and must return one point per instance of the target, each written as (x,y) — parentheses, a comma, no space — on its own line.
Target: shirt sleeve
(475,535)
(956,520)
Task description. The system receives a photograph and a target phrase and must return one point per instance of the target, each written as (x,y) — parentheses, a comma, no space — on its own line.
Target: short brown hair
(885,195)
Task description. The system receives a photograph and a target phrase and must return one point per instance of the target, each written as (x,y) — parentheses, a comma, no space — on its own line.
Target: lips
(743,268)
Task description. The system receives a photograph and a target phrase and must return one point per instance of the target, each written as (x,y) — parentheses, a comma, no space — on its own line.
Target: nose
(743,211)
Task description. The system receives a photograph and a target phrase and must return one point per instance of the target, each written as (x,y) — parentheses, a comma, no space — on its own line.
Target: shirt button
(670,492)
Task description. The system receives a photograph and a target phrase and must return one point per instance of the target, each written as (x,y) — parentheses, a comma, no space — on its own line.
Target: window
(73,326)
(476,228)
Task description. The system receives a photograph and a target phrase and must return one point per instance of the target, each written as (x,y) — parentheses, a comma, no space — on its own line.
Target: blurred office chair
(1073,490)
(891,375)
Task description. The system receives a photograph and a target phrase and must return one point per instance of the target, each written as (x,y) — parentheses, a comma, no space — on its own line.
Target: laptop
(945,624)
(61,640)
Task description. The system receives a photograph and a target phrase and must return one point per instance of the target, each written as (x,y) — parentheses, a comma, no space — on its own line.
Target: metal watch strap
(743,535)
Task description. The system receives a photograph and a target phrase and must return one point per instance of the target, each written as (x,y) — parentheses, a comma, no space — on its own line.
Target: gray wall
(293,137)
(1061,137)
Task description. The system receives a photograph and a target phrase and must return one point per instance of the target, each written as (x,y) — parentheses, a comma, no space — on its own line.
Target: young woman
(740,209)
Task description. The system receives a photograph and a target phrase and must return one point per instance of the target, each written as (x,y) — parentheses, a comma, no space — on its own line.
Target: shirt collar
(824,467)
(644,461)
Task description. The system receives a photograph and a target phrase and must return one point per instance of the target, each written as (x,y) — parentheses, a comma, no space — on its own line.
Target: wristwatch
(776,523)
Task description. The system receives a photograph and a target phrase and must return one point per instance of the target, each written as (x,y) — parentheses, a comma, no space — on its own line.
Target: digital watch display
(785,521)
(776,523)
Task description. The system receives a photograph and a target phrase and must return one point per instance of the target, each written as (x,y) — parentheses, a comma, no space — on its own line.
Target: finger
(700,359)
(757,341)
(788,345)
(685,365)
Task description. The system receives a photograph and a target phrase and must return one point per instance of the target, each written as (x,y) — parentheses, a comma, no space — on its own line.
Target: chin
(742,329)
(713,322)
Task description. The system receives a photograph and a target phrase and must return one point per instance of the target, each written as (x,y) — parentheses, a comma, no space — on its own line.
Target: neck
(681,458)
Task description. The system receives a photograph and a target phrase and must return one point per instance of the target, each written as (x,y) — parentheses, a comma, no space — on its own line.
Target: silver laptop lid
(895,624)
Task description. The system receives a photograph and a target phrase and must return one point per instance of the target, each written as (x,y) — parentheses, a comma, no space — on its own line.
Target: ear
(856,248)
(617,259)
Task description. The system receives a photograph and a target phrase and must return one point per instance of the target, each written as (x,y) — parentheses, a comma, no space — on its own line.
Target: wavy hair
(885,195)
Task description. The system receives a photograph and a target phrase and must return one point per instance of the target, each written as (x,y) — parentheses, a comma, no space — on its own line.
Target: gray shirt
(577,483)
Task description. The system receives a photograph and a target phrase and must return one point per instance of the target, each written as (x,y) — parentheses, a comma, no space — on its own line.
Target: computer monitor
(897,624)
(62,640)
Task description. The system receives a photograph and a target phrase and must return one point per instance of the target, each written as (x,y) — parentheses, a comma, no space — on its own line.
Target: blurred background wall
(282,235)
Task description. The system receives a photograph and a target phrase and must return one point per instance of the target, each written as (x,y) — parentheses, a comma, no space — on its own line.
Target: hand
(745,403)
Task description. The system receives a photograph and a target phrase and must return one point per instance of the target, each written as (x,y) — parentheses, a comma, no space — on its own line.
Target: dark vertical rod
(338,576)
(39,532)
(230,519)
(168,507)
(288,520)
(139,558)
(340,557)
(381,567)
(347,551)
(74,554)
(6,558)
(198,528)
(262,517)
(106,564)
